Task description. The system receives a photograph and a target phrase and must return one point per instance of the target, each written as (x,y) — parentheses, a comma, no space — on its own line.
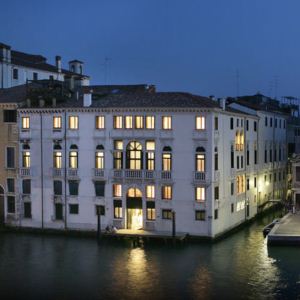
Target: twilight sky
(207,47)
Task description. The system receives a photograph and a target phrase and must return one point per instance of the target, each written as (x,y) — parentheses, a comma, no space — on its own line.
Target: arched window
(134,193)
(134,156)
(57,156)
(167,158)
(73,157)
(200,159)
(99,157)
(26,156)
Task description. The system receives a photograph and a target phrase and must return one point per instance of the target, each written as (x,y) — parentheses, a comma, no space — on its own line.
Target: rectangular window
(73,209)
(216,193)
(26,186)
(26,159)
(99,188)
(248,184)
(35,76)
(232,188)
(255,157)
(231,123)
(216,214)
(118,122)
(99,122)
(242,162)
(167,214)
(216,123)
(150,206)
(271,155)
(237,162)
(118,209)
(232,207)
(200,162)
(73,187)
(167,122)
(58,211)
(200,194)
(237,122)
(266,156)
(57,123)
(25,123)
(139,122)
(150,191)
(200,123)
(255,182)
(117,190)
(11,204)
(15,73)
(10,157)
(27,210)
(57,159)
(57,187)
(10,185)
(150,122)
(200,215)
(9,116)
(166,161)
(166,192)
(216,162)
(255,126)
(247,125)
(100,210)
(232,159)
(73,122)
(271,122)
(279,123)
(128,122)
(99,160)
(266,121)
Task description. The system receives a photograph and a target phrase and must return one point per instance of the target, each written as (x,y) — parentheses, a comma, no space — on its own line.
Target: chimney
(87,98)
(58,63)
(222,103)
(53,102)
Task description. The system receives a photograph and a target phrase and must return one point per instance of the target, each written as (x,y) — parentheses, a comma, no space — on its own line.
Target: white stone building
(140,156)
(17,68)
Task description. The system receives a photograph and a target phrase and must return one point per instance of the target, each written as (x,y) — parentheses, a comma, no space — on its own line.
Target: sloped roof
(15,94)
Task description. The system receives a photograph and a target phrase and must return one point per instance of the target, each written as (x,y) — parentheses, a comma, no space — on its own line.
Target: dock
(287,231)
(139,237)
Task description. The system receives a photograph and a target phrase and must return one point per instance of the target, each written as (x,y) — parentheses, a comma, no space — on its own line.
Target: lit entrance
(134,209)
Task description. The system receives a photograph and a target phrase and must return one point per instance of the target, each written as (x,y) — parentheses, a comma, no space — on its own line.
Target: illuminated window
(150,155)
(73,122)
(200,194)
(118,155)
(118,122)
(139,122)
(26,159)
(100,122)
(167,159)
(134,156)
(166,192)
(240,184)
(150,192)
(150,206)
(200,159)
(167,214)
(200,215)
(73,157)
(25,123)
(128,122)
(57,159)
(200,123)
(118,209)
(167,122)
(56,122)
(150,122)
(134,193)
(99,159)
(117,190)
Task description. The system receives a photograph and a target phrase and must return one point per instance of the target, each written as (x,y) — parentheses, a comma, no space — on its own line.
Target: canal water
(238,267)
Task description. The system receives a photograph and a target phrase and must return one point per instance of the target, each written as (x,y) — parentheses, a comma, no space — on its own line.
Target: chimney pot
(58,63)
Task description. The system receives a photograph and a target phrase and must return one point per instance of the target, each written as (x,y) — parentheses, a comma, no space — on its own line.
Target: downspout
(65,173)
(42,169)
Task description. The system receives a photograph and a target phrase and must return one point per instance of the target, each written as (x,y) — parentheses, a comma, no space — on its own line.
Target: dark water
(239,267)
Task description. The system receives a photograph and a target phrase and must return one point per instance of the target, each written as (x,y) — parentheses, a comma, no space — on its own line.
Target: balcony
(199,176)
(24,172)
(72,172)
(166,175)
(26,198)
(57,172)
(133,174)
(57,198)
(99,173)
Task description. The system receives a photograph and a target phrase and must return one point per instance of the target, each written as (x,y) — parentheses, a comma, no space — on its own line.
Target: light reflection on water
(238,267)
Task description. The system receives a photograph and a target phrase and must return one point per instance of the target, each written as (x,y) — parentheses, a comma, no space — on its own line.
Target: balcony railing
(199,176)
(57,172)
(166,175)
(99,173)
(133,174)
(25,172)
(72,172)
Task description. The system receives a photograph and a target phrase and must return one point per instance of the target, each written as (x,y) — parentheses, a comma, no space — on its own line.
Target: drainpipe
(65,163)
(42,169)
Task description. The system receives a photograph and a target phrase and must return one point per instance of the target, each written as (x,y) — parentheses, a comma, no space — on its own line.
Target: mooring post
(98,225)
(173,224)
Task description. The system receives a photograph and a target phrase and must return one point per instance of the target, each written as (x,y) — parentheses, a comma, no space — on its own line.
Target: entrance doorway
(134,209)
(1,205)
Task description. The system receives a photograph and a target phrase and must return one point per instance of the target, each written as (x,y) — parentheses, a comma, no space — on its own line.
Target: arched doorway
(134,205)
(1,205)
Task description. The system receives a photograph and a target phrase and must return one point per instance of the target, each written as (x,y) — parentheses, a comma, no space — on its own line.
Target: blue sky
(197,46)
